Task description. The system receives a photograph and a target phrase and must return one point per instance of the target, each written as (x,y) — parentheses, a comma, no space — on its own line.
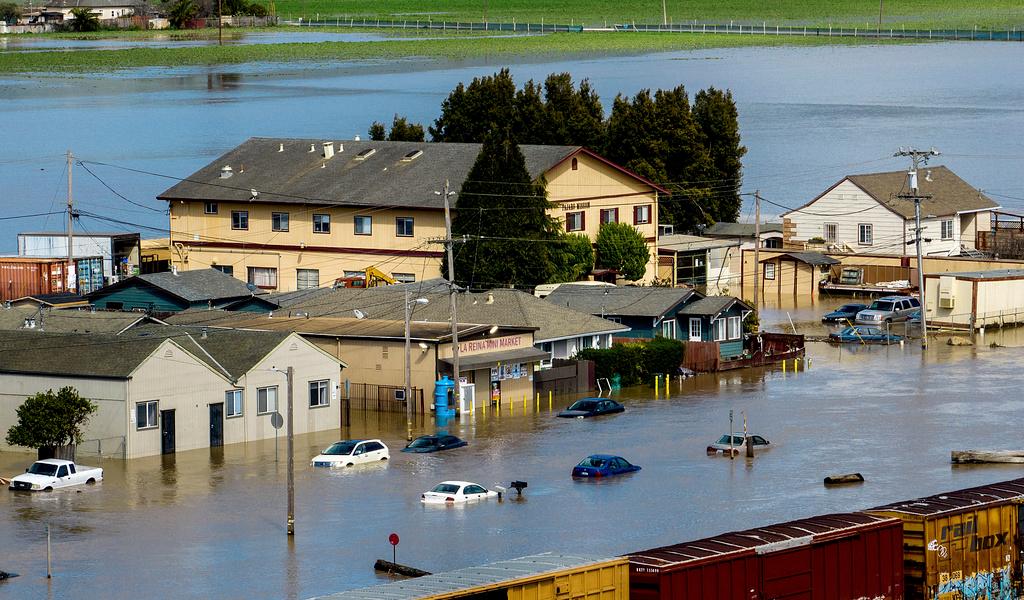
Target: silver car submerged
(888,309)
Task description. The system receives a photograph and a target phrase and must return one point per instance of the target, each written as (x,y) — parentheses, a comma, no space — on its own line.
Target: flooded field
(212,523)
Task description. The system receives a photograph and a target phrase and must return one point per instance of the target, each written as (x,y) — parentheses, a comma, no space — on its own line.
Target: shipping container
(546,576)
(21,277)
(831,557)
(962,545)
(90,274)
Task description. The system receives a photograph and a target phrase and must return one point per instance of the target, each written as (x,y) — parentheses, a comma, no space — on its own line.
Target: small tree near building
(48,421)
(181,12)
(10,12)
(574,258)
(622,247)
(83,20)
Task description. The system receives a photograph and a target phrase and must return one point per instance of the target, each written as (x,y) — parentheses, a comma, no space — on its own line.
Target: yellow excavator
(371,277)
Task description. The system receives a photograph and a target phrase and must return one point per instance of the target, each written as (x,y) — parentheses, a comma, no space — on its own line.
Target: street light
(290,374)
(408,375)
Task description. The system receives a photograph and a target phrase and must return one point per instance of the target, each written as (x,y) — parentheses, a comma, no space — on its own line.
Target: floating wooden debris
(391,567)
(987,456)
(841,479)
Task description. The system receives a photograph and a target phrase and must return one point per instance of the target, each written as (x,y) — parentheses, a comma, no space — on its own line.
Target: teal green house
(717,319)
(176,291)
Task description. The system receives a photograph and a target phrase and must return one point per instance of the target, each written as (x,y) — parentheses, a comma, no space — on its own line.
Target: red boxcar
(831,557)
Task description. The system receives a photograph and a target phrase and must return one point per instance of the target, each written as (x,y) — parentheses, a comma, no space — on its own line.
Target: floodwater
(211,523)
(808,117)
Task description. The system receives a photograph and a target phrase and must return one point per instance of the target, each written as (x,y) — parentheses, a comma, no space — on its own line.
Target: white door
(361,455)
(694,330)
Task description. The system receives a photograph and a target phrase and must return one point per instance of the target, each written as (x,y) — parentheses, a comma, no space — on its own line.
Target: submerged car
(863,334)
(888,309)
(603,465)
(846,312)
(434,443)
(591,407)
(52,473)
(738,444)
(347,453)
(454,492)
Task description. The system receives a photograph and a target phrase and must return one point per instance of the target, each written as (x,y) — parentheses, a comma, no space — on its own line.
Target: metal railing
(108,447)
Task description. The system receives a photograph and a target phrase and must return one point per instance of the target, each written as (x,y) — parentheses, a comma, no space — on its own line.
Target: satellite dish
(252,287)
(359,314)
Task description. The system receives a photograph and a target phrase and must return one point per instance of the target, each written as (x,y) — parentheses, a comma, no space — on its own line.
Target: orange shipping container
(21,277)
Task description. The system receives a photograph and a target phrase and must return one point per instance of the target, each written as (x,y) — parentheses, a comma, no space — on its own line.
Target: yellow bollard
(808,364)
(549,400)
(524,404)
(783,367)
(655,386)
(538,403)
(796,365)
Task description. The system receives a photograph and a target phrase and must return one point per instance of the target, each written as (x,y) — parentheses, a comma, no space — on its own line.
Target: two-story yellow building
(291,214)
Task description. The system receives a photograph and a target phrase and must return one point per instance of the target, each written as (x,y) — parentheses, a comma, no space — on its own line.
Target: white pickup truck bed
(52,474)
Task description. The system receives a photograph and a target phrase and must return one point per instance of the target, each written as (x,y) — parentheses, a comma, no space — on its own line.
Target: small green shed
(717,319)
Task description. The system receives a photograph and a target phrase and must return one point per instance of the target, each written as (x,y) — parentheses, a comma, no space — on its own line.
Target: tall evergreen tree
(510,239)
(404,131)
(467,113)
(574,117)
(377,132)
(715,112)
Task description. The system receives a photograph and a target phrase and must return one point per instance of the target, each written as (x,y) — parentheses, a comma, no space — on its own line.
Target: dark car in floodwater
(863,334)
(592,407)
(434,443)
(846,312)
(603,465)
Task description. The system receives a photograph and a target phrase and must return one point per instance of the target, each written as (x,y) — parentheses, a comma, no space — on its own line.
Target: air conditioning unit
(949,302)
(947,292)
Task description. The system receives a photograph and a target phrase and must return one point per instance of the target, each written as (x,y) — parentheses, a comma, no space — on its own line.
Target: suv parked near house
(888,309)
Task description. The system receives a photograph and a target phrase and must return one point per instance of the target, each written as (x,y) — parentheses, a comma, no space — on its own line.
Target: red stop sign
(393,538)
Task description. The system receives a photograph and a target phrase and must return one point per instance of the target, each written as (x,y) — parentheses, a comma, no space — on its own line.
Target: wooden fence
(702,357)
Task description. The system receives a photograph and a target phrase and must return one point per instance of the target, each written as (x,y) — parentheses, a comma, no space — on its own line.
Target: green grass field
(965,14)
(453,47)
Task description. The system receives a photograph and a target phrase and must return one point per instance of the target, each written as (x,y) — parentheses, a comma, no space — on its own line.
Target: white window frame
(150,414)
(575,221)
(321,223)
(359,220)
(718,327)
(830,232)
(269,272)
(234,403)
(240,220)
(306,285)
(947,229)
(869,238)
(403,224)
(210,208)
(668,328)
(642,214)
(609,215)
(269,405)
(695,329)
(323,393)
(404,277)
(769,270)
(280,221)
(734,330)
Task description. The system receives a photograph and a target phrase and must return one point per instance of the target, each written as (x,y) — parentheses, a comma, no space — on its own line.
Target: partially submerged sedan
(456,492)
(843,314)
(347,453)
(603,465)
(591,407)
(738,443)
(863,334)
(434,443)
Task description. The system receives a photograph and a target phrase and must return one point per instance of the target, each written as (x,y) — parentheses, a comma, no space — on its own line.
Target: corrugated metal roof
(761,540)
(506,571)
(994,274)
(969,499)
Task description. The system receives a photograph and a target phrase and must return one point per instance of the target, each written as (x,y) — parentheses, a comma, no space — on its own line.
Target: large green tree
(469,111)
(180,12)
(401,131)
(574,258)
(502,215)
(622,247)
(573,117)
(51,419)
(10,12)
(715,113)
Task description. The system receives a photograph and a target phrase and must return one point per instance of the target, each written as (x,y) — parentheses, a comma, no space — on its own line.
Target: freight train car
(963,545)
(831,557)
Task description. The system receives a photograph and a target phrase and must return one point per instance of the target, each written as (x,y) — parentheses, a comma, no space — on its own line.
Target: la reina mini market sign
(501,371)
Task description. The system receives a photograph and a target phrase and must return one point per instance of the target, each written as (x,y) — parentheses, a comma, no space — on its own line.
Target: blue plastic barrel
(443,388)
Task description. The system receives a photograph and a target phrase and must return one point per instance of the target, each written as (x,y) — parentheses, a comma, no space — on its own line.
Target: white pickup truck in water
(52,473)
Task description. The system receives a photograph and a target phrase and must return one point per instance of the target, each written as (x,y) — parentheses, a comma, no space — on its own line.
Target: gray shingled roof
(235,350)
(195,286)
(619,301)
(712,306)
(69,321)
(740,229)
(89,355)
(294,175)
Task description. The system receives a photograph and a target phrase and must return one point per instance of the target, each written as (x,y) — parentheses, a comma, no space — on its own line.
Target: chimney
(204,334)
(174,270)
(226,172)
(281,147)
(355,139)
(312,147)
(341,147)
(490,298)
(328,150)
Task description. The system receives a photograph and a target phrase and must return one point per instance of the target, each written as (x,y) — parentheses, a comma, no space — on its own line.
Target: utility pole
(408,373)
(220,22)
(451,293)
(72,276)
(918,158)
(664,13)
(290,373)
(880,4)
(757,247)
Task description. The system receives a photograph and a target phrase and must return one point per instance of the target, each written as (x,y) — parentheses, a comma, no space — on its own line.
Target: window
(364,225)
(575,164)
(233,403)
(318,393)
(62,471)
(642,214)
(307,279)
(718,329)
(575,221)
(831,232)
(865,234)
(609,215)
(321,223)
(769,270)
(404,277)
(775,242)
(668,328)
(225,269)
(266,400)
(279,221)
(240,219)
(691,268)
(210,208)
(263,277)
(694,329)
(734,328)
(145,415)
(403,226)
(947,229)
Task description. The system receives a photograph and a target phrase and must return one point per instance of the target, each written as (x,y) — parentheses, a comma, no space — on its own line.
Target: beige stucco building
(289,214)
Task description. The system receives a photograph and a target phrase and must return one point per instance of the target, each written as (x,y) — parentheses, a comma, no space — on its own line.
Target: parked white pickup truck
(52,473)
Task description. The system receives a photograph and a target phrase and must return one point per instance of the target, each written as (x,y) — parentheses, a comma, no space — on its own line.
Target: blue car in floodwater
(863,334)
(846,312)
(603,465)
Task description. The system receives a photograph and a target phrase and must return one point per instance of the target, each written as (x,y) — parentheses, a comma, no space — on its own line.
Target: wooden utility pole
(72,276)
(291,451)
(918,158)
(451,294)
(757,247)
(220,22)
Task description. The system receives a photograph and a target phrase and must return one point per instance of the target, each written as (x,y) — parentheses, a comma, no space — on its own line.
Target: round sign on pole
(393,538)
(276,420)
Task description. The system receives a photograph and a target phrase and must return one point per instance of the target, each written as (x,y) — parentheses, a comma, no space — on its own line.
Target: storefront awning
(487,359)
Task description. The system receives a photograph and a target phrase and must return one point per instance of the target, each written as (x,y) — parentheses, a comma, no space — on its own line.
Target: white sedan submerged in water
(455,492)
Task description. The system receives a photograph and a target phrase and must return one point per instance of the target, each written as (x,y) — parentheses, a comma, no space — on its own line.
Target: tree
(377,132)
(622,247)
(181,12)
(574,258)
(572,118)
(404,131)
(84,20)
(468,112)
(503,215)
(10,12)
(50,420)
(715,113)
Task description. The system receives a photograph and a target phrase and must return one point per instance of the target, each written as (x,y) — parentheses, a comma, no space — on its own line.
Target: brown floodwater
(211,523)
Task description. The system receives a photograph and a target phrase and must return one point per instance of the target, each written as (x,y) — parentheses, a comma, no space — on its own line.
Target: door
(216,424)
(167,432)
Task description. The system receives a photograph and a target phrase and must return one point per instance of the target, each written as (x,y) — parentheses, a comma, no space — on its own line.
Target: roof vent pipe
(490,298)
(328,150)
(226,171)
(281,148)
(355,139)
(341,147)
(312,147)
